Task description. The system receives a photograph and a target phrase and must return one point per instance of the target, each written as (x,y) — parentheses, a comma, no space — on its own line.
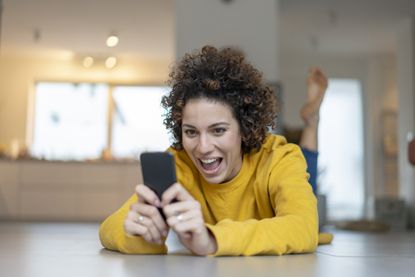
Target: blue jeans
(311,159)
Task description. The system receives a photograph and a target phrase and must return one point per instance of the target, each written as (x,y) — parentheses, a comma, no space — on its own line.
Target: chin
(214,179)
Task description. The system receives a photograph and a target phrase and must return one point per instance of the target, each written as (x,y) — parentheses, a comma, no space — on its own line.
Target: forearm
(271,236)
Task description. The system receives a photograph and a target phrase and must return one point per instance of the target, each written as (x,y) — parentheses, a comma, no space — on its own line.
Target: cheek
(237,139)
(234,144)
(187,144)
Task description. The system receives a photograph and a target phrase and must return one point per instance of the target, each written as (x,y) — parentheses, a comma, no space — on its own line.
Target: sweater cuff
(137,245)
(225,245)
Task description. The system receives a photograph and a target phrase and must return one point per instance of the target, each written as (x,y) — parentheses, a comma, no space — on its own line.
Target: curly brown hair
(221,75)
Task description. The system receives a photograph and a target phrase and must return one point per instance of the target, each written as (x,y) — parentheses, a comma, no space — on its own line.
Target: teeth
(208,161)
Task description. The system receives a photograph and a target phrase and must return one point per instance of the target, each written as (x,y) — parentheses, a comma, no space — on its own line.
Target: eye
(219,131)
(190,133)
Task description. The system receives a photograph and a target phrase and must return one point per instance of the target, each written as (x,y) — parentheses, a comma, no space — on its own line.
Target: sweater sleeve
(113,236)
(293,229)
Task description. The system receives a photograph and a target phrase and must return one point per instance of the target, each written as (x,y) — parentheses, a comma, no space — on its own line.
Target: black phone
(159,171)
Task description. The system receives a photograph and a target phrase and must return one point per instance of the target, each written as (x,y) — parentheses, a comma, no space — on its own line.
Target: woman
(240,189)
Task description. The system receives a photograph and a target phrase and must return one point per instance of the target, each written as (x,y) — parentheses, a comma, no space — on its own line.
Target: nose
(205,144)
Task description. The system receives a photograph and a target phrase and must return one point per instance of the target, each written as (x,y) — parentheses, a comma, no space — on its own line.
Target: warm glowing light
(87,62)
(112,41)
(111,62)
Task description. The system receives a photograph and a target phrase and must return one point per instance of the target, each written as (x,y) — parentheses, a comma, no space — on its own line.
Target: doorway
(341,159)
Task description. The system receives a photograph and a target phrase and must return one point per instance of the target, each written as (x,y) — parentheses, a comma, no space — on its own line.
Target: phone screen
(159,171)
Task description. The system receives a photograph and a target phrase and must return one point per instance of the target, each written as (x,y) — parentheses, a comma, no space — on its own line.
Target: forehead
(204,112)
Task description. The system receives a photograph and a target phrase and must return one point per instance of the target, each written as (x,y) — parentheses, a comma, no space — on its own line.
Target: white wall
(379,96)
(249,25)
(294,69)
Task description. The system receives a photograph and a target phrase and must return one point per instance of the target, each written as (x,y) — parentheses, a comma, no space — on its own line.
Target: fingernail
(165,233)
(157,203)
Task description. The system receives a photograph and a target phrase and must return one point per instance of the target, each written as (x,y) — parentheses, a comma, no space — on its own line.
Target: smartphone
(159,172)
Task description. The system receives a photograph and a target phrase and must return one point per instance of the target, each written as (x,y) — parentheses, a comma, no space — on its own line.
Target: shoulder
(275,153)
(276,146)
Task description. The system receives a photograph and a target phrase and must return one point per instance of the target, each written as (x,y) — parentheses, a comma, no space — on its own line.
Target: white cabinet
(9,186)
(36,190)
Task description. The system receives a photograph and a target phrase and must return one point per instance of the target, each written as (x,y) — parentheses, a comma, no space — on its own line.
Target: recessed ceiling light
(88,61)
(111,62)
(112,41)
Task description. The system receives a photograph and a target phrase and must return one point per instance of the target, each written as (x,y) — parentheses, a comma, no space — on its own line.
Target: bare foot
(316,88)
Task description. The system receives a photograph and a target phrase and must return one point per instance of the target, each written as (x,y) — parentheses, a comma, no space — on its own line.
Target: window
(341,165)
(137,121)
(70,121)
(75,121)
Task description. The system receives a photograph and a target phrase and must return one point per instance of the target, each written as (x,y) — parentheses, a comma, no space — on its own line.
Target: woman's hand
(144,218)
(186,219)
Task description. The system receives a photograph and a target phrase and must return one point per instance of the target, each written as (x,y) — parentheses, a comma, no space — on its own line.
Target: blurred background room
(81,82)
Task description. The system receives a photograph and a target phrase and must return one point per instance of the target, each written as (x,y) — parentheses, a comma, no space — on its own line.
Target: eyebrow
(210,126)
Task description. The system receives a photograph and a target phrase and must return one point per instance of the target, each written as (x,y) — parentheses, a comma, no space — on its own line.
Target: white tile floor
(73,249)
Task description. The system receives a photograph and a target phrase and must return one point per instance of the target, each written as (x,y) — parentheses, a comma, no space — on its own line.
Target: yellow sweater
(268,208)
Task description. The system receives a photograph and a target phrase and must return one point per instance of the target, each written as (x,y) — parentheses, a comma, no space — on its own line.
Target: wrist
(208,245)
(213,246)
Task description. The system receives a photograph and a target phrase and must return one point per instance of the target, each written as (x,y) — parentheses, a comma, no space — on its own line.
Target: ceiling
(146,28)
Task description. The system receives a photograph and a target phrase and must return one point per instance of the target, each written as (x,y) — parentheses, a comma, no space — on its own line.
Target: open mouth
(210,166)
